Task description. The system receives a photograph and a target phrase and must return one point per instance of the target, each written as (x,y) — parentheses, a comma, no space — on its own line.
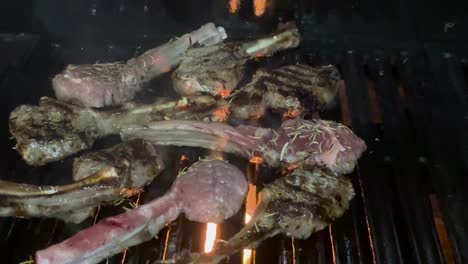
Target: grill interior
(404,92)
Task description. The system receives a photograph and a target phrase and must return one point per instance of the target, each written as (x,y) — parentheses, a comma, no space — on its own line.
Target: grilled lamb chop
(297,142)
(296,205)
(219,68)
(289,90)
(106,84)
(209,191)
(54,129)
(102,176)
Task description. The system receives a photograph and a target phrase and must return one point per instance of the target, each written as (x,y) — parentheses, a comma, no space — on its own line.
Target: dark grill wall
(405,71)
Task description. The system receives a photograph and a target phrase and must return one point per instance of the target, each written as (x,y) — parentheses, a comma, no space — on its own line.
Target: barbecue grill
(404,91)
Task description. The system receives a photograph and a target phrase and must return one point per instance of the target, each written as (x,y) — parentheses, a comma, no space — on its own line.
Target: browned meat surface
(101,177)
(142,159)
(290,90)
(106,84)
(217,69)
(54,129)
(296,205)
(297,142)
(208,191)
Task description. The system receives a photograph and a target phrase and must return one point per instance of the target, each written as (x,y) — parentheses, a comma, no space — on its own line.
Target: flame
(210,237)
(223,93)
(247,218)
(291,114)
(234,6)
(220,114)
(256,160)
(259,7)
(250,205)
(250,202)
(183,157)
(246,256)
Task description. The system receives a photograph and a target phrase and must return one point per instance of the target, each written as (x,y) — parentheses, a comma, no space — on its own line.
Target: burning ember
(224,93)
(256,160)
(259,7)
(234,6)
(220,114)
(291,114)
(210,237)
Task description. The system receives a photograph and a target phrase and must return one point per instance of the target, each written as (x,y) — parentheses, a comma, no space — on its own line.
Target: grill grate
(410,108)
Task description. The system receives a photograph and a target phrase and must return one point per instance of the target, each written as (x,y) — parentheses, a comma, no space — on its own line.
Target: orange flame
(210,237)
(259,7)
(291,114)
(256,160)
(220,114)
(234,6)
(183,157)
(223,93)
(250,205)
(246,256)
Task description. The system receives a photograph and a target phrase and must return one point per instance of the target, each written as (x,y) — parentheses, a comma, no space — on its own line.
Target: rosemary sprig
(30,260)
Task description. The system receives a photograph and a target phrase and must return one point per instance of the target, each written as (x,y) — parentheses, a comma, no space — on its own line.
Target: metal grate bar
(374,179)
(349,234)
(435,115)
(411,191)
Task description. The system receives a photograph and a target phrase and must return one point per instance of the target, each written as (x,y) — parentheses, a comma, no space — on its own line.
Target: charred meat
(208,191)
(106,84)
(296,205)
(100,177)
(289,90)
(297,142)
(217,69)
(55,130)
(143,161)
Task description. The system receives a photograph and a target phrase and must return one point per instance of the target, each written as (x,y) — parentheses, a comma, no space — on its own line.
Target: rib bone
(107,84)
(102,176)
(209,191)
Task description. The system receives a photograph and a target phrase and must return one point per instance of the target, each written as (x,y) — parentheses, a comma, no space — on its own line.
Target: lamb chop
(209,191)
(217,69)
(55,130)
(296,205)
(106,84)
(289,90)
(296,143)
(100,177)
